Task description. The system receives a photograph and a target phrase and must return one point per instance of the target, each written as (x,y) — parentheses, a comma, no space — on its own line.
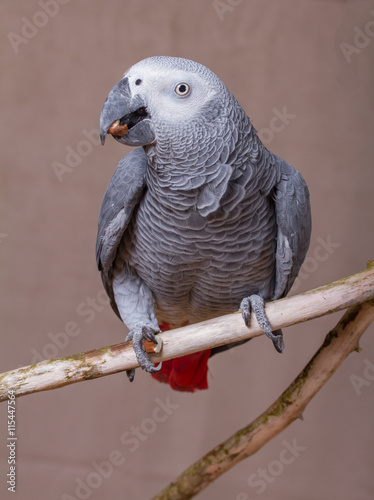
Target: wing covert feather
(123,193)
(293,215)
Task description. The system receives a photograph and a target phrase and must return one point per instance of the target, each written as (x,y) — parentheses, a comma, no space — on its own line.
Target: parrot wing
(121,197)
(294,227)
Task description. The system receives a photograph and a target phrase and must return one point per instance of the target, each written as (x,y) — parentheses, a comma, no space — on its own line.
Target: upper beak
(121,111)
(116,106)
(126,117)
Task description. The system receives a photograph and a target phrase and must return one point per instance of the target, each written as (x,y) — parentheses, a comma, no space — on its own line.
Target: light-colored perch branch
(340,342)
(55,373)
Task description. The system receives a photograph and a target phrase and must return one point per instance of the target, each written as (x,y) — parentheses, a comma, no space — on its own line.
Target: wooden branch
(340,342)
(55,373)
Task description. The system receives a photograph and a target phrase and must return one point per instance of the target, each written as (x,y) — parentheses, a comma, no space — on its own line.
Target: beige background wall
(307,57)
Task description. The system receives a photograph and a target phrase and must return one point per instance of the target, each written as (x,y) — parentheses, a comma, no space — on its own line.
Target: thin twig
(340,342)
(55,373)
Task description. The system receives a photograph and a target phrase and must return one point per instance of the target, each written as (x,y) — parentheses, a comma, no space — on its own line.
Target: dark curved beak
(116,105)
(121,111)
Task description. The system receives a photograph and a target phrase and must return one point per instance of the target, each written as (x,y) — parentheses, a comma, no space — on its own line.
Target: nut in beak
(117,129)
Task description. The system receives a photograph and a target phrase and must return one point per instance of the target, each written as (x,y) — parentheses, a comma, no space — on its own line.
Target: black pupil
(182,89)
(138,82)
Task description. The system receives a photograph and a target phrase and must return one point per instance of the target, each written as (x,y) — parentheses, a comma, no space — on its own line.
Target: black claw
(149,334)
(278,341)
(130,374)
(151,337)
(245,310)
(156,369)
(279,345)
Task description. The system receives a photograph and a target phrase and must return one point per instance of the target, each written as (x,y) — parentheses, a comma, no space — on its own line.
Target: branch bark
(55,373)
(340,342)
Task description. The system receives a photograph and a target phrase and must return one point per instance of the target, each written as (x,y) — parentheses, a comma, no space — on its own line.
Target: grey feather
(294,226)
(122,195)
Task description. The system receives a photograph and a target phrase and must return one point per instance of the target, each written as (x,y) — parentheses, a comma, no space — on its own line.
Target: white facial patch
(164,91)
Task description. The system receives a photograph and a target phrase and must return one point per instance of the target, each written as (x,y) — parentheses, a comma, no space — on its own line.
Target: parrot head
(161,94)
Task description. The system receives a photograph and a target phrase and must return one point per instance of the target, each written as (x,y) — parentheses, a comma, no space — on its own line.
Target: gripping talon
(256,304)
(138,334)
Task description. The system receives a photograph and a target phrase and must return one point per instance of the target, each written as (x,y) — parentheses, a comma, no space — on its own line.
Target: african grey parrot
(200,219)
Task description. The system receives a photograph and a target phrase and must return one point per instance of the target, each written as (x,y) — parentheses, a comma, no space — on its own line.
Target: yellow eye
(182,89)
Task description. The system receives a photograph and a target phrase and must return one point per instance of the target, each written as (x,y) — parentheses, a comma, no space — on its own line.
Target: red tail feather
(186,374)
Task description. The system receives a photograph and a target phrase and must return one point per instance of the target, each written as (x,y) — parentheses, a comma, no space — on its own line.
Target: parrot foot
(141,332)
(255,303)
